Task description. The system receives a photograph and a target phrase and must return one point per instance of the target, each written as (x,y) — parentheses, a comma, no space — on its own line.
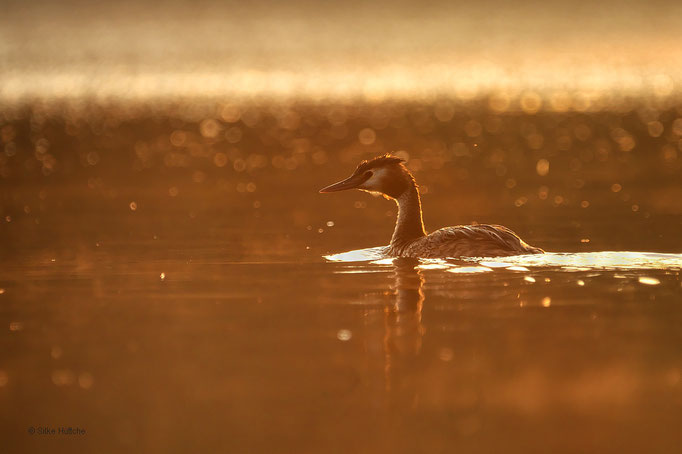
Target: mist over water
(574,56)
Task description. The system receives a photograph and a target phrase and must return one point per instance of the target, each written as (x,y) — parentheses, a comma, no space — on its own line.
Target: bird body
(387,175)
(481,240)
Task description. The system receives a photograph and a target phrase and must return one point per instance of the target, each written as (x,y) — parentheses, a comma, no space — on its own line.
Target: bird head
(384,174)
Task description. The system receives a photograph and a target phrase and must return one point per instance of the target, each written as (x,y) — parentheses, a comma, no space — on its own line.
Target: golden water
(176,283)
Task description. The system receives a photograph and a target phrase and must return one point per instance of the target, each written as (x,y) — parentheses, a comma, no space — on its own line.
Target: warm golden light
(171,274)
(519,63)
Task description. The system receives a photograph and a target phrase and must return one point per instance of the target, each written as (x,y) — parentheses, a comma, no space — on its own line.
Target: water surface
(170,288)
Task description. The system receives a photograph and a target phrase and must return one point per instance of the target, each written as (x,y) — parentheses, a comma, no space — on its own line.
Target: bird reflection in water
(405,330)
(403,335)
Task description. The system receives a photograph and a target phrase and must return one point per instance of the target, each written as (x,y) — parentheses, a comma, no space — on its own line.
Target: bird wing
(481,240)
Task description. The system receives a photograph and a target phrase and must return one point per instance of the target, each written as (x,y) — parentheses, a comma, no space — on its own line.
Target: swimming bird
(388,175)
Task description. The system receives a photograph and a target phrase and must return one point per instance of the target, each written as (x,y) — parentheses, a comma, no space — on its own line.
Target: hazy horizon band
(568,56)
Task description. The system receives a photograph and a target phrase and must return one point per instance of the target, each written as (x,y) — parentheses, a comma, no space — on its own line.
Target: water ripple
(567,261)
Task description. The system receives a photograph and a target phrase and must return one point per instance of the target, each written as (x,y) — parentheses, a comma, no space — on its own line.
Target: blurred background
(505,110)
(576,56)
(162,283)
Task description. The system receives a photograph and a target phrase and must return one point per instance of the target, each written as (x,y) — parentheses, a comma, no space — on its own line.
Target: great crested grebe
(388,176)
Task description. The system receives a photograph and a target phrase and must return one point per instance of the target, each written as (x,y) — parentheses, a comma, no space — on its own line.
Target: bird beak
(351,182)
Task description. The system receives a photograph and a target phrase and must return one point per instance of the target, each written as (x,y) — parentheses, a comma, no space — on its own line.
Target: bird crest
(379,161)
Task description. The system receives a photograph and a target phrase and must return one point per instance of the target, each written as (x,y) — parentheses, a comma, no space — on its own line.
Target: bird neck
(409,225)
